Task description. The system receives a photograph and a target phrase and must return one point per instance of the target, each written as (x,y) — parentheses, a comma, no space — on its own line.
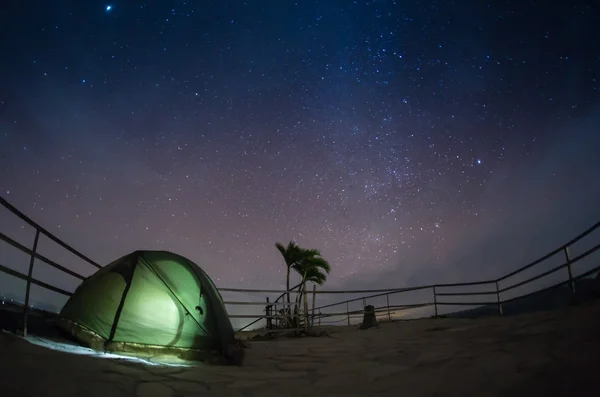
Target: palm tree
(292,255)
(313,269)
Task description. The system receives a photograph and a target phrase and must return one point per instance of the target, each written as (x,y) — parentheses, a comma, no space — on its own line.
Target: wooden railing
(317,313)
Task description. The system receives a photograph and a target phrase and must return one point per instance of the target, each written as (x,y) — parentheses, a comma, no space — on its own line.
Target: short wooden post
(387,299)
(435,301)
(348,312)
(498,299)
(268,312)
(28,286)
(312,320)
(571,281)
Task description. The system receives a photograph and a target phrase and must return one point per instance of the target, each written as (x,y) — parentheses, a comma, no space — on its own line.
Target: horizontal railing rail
(552,253)
(42,284)
(33,254)
(46,233)
(42,258)
(499,302)
(316,313)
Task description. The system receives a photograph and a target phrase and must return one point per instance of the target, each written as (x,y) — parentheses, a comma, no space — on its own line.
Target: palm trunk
(303,296)
(287,284)
(298,302)
(296,312)
(298,307)
(288,308)
(305,308)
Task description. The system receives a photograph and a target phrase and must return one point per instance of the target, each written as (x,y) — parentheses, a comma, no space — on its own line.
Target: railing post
(268,312)
(498,298)
(348,312)
(387,299)
(319,317)
(29,275)
(435,301)
(571,282)
(312,320)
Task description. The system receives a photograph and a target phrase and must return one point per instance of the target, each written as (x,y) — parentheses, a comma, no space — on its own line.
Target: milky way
(408,141)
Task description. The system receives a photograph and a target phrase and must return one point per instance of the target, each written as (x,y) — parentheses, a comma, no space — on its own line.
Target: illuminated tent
(152,302)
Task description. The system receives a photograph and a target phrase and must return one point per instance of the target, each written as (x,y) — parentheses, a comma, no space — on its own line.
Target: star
(387,137)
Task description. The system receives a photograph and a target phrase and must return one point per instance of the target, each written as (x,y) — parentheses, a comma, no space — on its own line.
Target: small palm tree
(313,269)
(292,255)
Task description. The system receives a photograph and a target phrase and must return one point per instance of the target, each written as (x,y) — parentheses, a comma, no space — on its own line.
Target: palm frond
(311,262)
(314,275)
(320,263)
(290,252)
(304,254)
(281,248)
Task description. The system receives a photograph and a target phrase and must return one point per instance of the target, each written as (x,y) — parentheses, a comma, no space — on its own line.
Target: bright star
(108,8)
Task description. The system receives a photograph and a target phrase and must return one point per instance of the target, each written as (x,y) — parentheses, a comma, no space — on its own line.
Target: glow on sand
(80,350)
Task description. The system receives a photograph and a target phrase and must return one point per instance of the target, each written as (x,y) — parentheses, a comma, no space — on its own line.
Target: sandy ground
(553,353)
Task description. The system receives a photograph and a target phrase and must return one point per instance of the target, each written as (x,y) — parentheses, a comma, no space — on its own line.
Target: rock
(369,319)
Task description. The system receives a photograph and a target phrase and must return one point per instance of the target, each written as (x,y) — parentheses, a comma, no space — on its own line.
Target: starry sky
(411,142)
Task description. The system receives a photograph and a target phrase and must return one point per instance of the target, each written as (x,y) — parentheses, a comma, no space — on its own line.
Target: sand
(555,353)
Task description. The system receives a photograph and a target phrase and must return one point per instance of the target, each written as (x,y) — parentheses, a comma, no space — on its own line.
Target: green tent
(152,302)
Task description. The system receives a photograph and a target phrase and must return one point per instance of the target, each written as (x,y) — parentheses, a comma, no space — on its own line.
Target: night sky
(411,142)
